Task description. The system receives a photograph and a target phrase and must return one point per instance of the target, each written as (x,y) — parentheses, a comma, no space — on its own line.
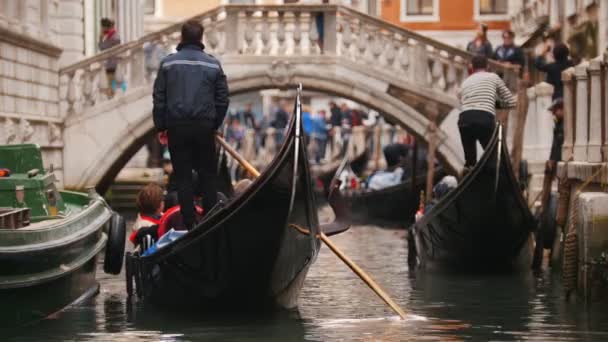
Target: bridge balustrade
(262,33)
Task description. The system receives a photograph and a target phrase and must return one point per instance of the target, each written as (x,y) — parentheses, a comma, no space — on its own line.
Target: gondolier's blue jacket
(190,87)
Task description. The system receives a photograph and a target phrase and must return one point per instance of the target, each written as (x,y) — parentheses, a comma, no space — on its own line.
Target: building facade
(453,22)
(37,38)
(582,24)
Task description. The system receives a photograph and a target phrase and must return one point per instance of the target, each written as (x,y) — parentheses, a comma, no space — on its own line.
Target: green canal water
(336,306)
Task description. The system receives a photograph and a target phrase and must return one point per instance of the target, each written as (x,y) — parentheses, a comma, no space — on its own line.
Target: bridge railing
(586,112)
(289,31)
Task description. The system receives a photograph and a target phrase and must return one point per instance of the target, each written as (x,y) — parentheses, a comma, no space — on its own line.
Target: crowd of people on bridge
(319,126)
(553,59)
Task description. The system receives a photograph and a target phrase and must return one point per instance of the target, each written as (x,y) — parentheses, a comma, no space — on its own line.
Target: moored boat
(482,225)
(393,206)
(246,255)
(49,239)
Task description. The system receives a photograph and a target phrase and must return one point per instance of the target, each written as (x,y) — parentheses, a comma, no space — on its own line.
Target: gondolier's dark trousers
(475,125)
(192,147)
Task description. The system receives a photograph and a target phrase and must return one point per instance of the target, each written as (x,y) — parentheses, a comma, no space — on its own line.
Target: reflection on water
(336,305)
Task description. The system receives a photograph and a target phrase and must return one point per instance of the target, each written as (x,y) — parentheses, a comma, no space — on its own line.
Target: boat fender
(115,248)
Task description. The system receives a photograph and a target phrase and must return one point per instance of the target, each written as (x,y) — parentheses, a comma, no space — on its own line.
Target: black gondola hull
(482,225)
(245,256)
(394,206)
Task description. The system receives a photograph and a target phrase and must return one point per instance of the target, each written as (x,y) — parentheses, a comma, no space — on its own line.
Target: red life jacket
(147,218)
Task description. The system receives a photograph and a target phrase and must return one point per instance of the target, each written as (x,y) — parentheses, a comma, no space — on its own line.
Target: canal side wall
(593,245)
(585,169)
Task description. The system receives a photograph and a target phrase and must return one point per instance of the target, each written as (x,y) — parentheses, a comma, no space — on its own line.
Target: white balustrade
(585,103)
(530,129)
(569,110)
(282,31)
(581,128)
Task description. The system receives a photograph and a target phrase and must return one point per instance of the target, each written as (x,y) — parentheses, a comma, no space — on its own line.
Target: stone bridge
(410,79)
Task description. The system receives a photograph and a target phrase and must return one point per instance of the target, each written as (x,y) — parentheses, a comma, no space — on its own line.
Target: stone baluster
(362,41)
(569,113)
(544,120)
(281,33)
(437,74)
(390,50)
(313,34)
(212,34)
(73,95)
(347,38)
(265,34)
(297,33)
(91,85)
(137,67)
(249,34)
(530,129)
(231,32)
(376,44)
(451,77)
(419,67)
(582,113)
(330,33)
(121,76)
(594,152)
(404,55)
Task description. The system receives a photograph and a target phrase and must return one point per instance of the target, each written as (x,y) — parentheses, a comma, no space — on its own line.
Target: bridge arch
(108,153)
(407,77)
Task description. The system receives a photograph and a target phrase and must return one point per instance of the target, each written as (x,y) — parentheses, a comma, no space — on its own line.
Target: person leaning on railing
(108,39)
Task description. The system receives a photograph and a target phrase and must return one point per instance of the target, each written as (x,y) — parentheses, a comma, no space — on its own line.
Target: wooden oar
(244,163)
(351,264)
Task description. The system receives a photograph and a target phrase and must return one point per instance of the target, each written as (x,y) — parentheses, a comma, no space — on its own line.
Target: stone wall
(29,78)
(70,30)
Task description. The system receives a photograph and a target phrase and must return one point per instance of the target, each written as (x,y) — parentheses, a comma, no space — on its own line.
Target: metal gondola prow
(298,118)
(498,157)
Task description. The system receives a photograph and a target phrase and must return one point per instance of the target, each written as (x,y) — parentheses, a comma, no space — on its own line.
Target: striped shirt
(482,90)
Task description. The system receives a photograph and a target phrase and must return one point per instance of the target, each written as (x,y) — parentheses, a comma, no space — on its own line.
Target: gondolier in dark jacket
(190,103)
(479,94)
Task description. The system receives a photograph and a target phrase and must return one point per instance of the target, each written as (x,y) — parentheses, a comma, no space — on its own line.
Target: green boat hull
(45,268)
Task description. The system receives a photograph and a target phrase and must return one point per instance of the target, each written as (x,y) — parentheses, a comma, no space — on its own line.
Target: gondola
(246,255)
(325,173)
(483,225)
(392,207)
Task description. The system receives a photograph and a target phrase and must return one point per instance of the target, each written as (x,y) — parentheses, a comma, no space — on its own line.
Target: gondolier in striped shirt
(190,102)
(479,95)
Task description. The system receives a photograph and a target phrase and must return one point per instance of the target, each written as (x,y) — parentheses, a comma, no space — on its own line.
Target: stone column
(582,113)
(603,26)
(544,120)
(530,137)
(231,28)
(605,108)
(330,34)
(3,16)
(12,14)
(44,20)
(569,113)
(594,152)
(554,12)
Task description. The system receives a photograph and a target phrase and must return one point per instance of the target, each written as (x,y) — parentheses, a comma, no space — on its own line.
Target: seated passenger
(150,205)
(394,173)
(447,184)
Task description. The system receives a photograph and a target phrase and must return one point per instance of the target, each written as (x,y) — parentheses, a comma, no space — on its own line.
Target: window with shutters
(419,10)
